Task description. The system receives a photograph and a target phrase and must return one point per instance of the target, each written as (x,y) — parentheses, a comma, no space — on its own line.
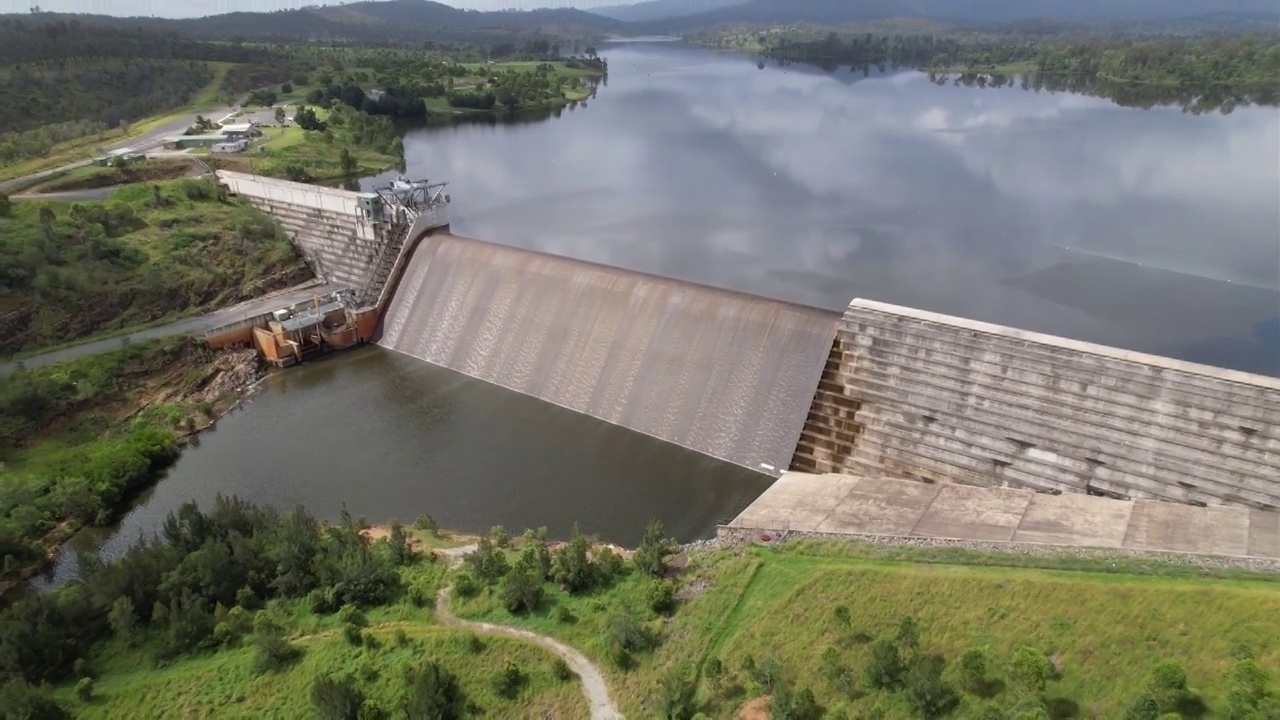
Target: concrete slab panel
(1264,534)
(972,513)
(881,507)
(1074,520)
(1187,528)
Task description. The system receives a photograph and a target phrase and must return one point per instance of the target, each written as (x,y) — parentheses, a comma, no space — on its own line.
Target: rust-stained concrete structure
(843,505)
(922,396)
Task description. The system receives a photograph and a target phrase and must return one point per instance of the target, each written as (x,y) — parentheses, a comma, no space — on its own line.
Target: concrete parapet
(912,394)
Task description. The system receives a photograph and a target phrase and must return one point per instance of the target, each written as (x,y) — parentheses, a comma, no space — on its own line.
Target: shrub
(351,615)
(84,689)
(272,652)
(571,567)
(522,588)
(475,644)
(466,585)
(400,638)
(354,634)
(1168,685)
(562,614)
(625,635)
(433,692)
(500,537)
(842,615)
(831,664)
(561,671)
(336,698)
(676,693)
(487,563)
(655,547)
(661,597)
(427,523)
(1143,707)
(973,671)
(929,693)
(1030,670)
(610,566)
(886,669)
(798,705)
(509,679)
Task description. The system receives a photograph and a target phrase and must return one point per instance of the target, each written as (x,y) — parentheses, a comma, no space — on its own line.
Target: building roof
(180,138)
(238,128)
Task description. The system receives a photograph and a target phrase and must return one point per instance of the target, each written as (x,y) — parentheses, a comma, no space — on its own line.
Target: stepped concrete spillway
(726,374)
(922,396)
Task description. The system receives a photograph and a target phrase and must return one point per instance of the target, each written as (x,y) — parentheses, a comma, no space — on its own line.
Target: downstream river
(1154,230)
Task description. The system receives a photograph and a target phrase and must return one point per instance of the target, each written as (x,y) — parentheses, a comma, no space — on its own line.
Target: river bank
(120,419)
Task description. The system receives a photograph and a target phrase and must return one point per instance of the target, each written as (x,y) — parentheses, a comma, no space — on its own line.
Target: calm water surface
(1151,230)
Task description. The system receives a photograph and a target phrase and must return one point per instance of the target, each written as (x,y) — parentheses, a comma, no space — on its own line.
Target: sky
(197,8)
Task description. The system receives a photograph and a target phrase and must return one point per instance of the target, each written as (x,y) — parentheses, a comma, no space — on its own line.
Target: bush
(561,671)
(427,523)
(522,588)
(929,693)
(336,698)
(21,700)
(500,537)
(661,596)
(84,689)
(465,585)
(655,547)
(433,692)
(1143,707)
(677,692)
(354,634)
(272,652)
(886,669)
(419,597)
(509,679)
(624,636)
(351,615)
(571,566)
(562,614)
(487,563)
(800,705)
(973,671)
(610,566)
(1030,670)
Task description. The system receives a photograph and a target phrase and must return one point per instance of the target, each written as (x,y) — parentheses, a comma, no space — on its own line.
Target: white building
(231,146)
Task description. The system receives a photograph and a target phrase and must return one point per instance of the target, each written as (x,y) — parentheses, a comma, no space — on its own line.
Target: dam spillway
(882,392)
(726,374)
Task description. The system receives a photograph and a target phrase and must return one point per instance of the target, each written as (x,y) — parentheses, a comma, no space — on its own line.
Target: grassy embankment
(81,437)
(149,253)
(94,177)
(1103,631)
(224,682)
(84,148)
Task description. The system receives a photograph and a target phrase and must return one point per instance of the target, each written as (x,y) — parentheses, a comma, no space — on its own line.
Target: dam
(883,393)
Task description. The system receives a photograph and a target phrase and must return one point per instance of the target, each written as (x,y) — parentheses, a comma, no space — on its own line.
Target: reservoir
(1154,230)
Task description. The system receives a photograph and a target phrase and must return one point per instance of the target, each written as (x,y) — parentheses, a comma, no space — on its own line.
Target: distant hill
(661,9)
(963,11)
(399,20)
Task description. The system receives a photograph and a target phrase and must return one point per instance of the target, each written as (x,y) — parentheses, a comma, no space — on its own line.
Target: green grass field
(1105,631)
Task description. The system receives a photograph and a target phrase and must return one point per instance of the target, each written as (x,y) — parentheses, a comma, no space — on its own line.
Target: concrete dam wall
(726,374)
(329,227)
(917,395)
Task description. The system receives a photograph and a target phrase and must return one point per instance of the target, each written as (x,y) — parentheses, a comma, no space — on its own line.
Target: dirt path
(594,686)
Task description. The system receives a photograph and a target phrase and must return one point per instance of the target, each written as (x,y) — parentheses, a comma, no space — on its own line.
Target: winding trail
(594,686)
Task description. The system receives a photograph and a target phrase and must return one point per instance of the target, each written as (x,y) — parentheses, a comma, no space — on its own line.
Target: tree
(123,619)
(280,114)
(522,586)
(348,161)
(1168,686)
(21,700)
(398,545)
(651,554)
(433,692)
(286,88)
(677,692)
(571,567)
(487,562)
(886,668)
(336,698)
(929,693)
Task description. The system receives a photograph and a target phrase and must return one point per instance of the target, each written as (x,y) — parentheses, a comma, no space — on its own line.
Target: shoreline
(229,397)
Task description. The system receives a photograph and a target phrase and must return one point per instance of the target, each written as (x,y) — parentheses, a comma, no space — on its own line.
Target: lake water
(1152,230)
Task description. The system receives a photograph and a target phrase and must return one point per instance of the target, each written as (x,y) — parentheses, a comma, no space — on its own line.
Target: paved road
(195,325)
(149,140)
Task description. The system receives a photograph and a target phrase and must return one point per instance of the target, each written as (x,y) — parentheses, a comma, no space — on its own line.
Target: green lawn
(1105,631)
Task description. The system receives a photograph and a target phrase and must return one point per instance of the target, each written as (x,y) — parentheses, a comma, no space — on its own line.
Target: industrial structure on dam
(881,393)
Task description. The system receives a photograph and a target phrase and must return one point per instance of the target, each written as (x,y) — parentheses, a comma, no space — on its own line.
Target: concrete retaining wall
(326,224)
(725,374)
(918,395)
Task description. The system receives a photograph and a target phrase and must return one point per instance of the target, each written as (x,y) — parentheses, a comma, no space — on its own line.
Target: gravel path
(594,686)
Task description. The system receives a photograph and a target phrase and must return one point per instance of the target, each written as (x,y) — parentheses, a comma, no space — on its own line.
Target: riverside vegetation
(150,252)
(79,439)
(243,609)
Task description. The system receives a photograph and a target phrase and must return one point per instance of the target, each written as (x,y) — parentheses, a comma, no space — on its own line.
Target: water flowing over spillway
(726,374)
